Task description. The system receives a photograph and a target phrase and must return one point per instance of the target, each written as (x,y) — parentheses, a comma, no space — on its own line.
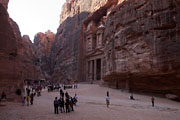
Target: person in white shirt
(107,100)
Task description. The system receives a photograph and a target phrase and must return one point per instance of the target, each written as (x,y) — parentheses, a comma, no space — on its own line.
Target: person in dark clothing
(131,97)
(28,91)
(66,95)
(31,98)
(56,104)
(67,105)
(107,93)
(61,91)
(62,105)
(152,100)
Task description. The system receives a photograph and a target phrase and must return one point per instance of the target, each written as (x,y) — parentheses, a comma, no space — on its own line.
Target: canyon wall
(11,72)
(64,53)
(142,46)
(42,47)
(16,57)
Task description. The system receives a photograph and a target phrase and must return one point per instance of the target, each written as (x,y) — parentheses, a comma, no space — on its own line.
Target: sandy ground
(91,106)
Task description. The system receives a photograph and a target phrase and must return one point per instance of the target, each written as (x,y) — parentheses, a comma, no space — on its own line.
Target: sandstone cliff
(16,57)
(64,54)
(42,47)
(11,68)
(142,47)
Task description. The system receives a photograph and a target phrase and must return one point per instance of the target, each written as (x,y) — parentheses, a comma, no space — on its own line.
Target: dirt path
(91,106)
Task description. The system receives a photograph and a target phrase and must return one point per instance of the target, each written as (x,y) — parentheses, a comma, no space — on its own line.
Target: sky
(35,16)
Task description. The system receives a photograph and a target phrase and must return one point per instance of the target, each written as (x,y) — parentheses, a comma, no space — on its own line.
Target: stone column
(95,67)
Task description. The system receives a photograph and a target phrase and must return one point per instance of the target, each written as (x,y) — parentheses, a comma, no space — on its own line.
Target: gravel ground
(91,106)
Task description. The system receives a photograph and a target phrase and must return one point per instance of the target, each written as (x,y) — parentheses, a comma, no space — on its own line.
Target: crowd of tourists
(57,87)
(65,103)
(31,92)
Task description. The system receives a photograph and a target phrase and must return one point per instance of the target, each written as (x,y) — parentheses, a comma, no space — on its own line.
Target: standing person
(62,104)
(23,100)
(75,99)
(67,104)
(107,99)
(31,98)
(71,104)
(56,104)
(152,100)
(27,100)
(61,91)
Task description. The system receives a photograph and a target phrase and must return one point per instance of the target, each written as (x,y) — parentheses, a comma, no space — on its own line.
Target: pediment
(96,52)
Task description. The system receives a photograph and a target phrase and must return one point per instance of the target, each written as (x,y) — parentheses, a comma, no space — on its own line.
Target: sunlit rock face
(73,7)
(11,72)
(142,47)
(42,47)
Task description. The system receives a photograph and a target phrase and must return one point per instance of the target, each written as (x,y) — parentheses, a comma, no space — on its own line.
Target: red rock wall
(11,70)
(65,50)
(142,40)
(42,48)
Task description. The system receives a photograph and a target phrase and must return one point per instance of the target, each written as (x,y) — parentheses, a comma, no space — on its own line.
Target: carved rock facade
(142,47)
(65,50)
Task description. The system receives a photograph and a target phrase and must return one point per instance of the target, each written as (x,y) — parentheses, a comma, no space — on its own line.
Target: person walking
(152,100)
(107,99)
(56,104)
(31,98)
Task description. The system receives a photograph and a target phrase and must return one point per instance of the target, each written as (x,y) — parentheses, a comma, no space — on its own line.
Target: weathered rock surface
(31,71)
(42,47)
(4,3)
(11,68)
(74,7)
(16,58)
(142,46)
(64,54)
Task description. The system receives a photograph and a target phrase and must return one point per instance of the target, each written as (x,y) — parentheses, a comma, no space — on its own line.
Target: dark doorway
(98,69)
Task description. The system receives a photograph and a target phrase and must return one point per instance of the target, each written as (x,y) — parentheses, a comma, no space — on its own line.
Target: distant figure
(67,105)
(61,92)
(27,100)
(23,100)
(131,97)
(107,99)
(152,100)
(75,99)
(56,104)
(71,104)
(31,98)
(3,95)
(61,104)
(107,93)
